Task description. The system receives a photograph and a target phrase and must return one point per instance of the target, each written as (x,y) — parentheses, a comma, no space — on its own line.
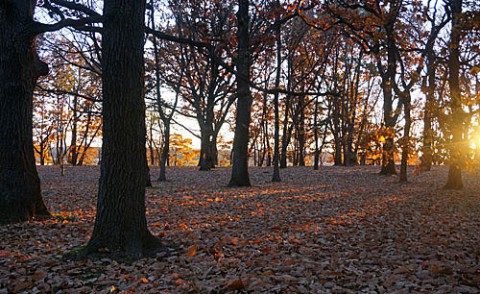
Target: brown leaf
(236,285)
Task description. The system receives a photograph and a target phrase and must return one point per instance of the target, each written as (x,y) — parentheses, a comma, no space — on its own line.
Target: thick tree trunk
(388,162)
(240,175)
(206,157)
(20,196)
(337,159)
(148,180)
(390,118)
(120,224)
(457,156)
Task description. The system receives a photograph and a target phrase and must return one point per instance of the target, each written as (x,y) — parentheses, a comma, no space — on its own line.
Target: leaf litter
(335,230)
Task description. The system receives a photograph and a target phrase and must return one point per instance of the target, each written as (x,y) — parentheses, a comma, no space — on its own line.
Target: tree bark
(315,136)
(20,195)
(276,145)
(240,175)
(390,117)
(120,224)
(73,142)
(427,150)
(206,148)
(406,137)
(301,133)
(457,159)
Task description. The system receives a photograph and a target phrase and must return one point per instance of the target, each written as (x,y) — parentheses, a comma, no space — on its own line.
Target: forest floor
(335,230)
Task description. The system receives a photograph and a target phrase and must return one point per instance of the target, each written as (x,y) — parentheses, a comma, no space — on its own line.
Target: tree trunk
(20,195)
(206,156)
(315,136)
(240,175)
(390,118)
(388,162)
(73,142)
(120,224)
(338,151)
(301,133)
(165,151)
(457,159)
(406,138)
(286,129)
(427,150)
(276,135)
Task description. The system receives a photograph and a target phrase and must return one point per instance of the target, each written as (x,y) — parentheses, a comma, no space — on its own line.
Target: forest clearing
(334,230)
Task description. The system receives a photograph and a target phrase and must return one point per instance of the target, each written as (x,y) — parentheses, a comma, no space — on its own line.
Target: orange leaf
(192,251)
(144,280)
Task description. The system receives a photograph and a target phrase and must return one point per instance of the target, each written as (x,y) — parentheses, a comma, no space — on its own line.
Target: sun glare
(475,141)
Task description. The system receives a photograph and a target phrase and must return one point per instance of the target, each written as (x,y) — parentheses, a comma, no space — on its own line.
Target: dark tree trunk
(206,149)
(337,160)
(406,137)
(286,130)
(240,175)
(457,159)
(276,135)
(336,132)
(73,142)
(20,195)
(120,224)
(301,133)
(214,150)
(315,136)
(151,151)
(266,141)
(165,151)
(148,180)
(427,150)
(287,134)
(388,162)
(390,117)
(430,85)
(42,156)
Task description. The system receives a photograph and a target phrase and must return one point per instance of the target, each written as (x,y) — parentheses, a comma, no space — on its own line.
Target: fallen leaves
(343,230)
(192,251)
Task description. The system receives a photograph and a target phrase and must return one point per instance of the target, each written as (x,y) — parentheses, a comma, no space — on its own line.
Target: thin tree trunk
(276,147)
(427,151)
(73,142)
(406,138)
(315,136)
(165,152)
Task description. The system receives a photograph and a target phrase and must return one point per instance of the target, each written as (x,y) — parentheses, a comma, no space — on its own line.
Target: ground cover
(335,230)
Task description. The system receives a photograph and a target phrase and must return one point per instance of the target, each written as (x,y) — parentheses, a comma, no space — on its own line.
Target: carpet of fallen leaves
(335,230)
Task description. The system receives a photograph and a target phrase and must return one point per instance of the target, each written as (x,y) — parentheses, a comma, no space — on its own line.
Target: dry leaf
(192,250)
